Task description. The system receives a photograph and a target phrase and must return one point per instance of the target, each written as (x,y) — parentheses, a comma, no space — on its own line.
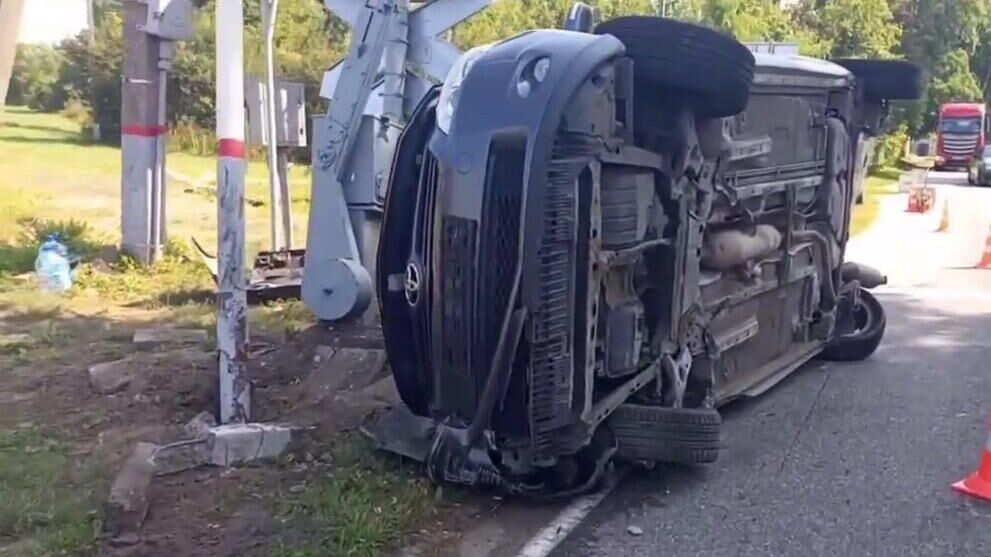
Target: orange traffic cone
(985,261)
(978,484)
(944,219)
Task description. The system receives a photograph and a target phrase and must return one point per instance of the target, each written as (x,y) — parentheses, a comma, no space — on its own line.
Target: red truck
(961,133)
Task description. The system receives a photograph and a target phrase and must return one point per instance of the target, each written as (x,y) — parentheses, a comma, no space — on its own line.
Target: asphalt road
(854,459)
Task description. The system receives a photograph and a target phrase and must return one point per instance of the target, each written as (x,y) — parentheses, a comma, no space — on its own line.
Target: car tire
(709,71)
(862,343)
(886,79)
(674,435)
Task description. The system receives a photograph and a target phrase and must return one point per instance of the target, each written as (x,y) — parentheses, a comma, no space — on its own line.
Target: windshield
(960,125)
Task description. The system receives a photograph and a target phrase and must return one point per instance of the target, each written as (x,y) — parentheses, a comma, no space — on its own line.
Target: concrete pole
(142,195)
(270,10)
(10,29)
(232,321)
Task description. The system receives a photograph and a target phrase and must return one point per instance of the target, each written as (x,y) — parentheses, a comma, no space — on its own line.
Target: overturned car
(592,240)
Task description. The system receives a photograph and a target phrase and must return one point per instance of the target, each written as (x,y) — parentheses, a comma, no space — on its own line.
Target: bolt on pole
(232,322)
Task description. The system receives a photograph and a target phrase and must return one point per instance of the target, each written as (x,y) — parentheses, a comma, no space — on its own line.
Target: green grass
(46,497)
(882,182)
(48,172)
(360,508)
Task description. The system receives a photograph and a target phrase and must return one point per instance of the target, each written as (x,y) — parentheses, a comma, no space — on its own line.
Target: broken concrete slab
(235,444)
(383,390)
(108,378)
(127,504)
(179,457)
(341,369)
(199,426)
(147,339)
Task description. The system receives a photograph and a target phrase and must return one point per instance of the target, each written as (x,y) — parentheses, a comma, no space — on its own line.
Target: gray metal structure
(392,62)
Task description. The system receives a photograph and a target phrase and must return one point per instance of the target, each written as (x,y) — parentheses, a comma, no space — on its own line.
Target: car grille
(457,300)
(498,246)
(960,144)
(422,228)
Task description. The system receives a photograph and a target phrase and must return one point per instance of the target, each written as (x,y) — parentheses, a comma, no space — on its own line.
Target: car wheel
(659,434)
(709,71)
(869,324)
(886,79)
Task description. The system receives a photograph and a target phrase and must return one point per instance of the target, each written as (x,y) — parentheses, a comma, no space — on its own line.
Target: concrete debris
(147,339)
(127,504)
(179,457)
(298,488)
(111,377)
(383,390)
(11,340)
(340,369)
(234,444)
(634,530)
(199,427)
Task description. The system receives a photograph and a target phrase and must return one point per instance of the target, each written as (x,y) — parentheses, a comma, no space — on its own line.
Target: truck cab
(961,134)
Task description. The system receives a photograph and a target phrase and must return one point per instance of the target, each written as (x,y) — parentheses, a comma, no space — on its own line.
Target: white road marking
(567,520)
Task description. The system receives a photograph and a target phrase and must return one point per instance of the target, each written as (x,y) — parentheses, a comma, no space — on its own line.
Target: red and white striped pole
(232,323)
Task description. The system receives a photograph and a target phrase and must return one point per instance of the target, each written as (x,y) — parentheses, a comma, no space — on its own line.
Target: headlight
(450,93)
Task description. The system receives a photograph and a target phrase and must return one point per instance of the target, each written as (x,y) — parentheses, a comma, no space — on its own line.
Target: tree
(35,78)
(854,28)
(952,81)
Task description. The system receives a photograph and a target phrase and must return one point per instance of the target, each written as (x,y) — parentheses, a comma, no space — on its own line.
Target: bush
(35,78)
(891,148)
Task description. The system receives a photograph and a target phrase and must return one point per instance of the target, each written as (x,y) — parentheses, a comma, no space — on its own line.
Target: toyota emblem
(412,283)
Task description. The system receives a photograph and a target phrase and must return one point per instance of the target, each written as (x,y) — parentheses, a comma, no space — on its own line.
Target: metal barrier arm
(351,161)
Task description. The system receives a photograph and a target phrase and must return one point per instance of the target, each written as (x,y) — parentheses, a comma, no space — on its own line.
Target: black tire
(708,70)
(677,435)
(871,322)
(895,80)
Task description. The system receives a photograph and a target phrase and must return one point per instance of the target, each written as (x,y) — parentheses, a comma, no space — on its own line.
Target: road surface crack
(802,426)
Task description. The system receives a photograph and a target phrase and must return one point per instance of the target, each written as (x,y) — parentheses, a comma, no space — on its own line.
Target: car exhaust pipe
(868,277)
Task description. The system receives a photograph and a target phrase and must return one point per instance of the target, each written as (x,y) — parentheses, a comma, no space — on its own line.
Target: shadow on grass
(67,139)
(35,127)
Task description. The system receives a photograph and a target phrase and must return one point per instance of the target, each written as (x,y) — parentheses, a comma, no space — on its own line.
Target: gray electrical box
(170,19)
(290,112)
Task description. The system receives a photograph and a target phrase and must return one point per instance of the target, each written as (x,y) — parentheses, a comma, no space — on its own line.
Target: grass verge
(48,501)
(358,509)
(880,183)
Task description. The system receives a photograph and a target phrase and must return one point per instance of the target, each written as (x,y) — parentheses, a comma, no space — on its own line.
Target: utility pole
(142,195)
(10,28)
(151,29)
(232,320)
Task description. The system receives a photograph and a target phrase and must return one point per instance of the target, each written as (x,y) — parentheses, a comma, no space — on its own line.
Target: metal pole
(10,28)
(232,323)
(283,168)
(141,129)
(158,197)
(270,10)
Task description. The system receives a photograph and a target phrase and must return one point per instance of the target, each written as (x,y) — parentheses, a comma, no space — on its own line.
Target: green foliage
(952,81)
(854,28)
(35,78)
(309,39)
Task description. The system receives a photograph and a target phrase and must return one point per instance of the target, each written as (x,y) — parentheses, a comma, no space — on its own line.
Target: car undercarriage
(592,241)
